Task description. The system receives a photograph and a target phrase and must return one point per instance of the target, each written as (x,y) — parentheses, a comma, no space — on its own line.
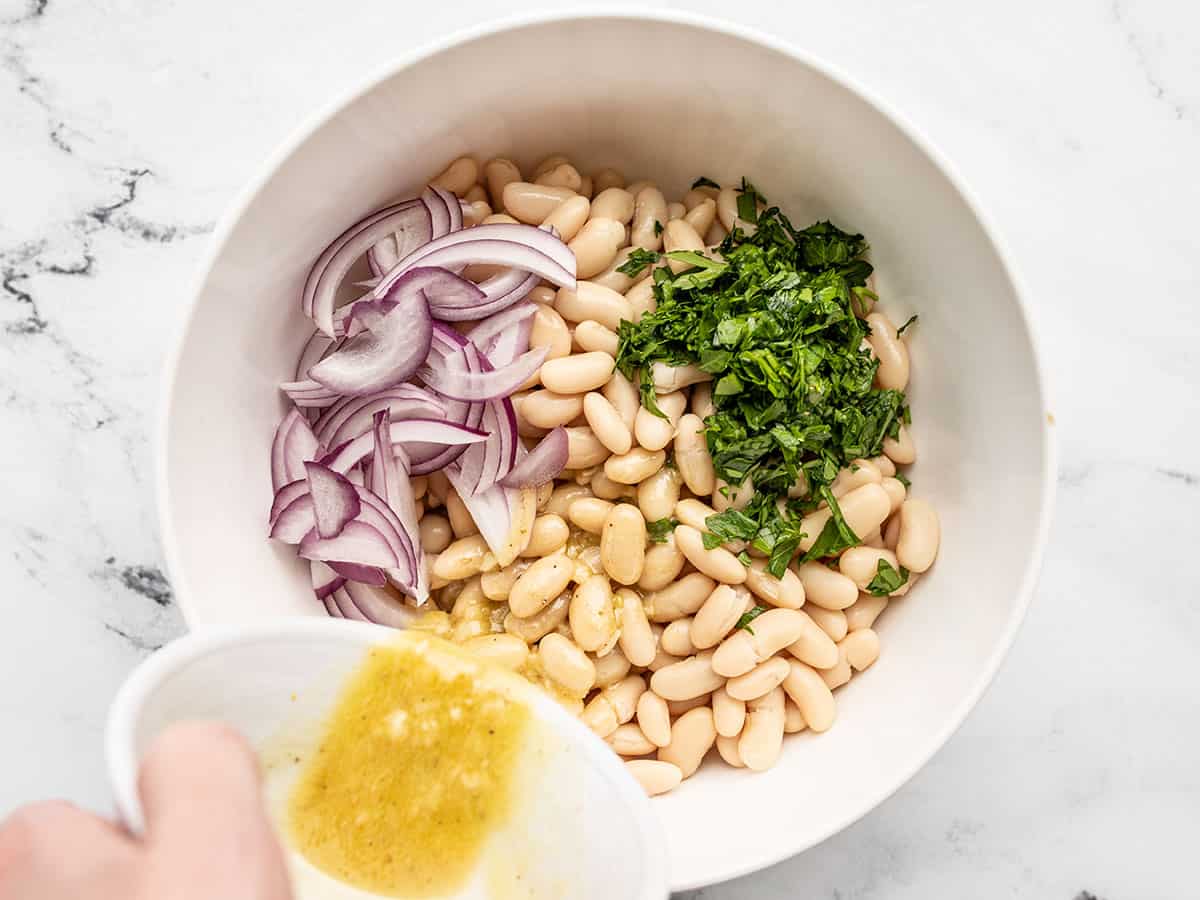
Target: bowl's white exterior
(669,98)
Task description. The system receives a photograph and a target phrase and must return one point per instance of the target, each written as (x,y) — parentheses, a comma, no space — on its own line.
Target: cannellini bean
(460,519)
(629,740)
(858,473)
(611,277)
(532,203)
(661,660)
(655,776)
(895,490)
(634,466)
(891,533)
(701,216)
(438,487)
(826,587)
(603,486)
(614,203)
(839,673)
(458,177)
(762,679)
(727,749)
(649,218)
(550,330)
(549,533)
(668,379)
(734,499)
(793,719)
(592,336)
(762,738)
(663,564)
(658,494)
(787,591)
(676,638)
(698,195)
(693,512)
(692,736)
(830,621)
(623,395)
(811,695)
(680,235)
(596,245)
(566,664)
(702,401)
(502,649)
(623,543)
(577,374)
(614,705)
(550,162)
(767,635)
(634,187)
(814,646)
(584,449)
(654,718)
(861,564)
(729,714)
(589,513)
(606,423)
(592,301)
(675,210)
(692,456)
(496,585)
(499,219)
(568,217)
(603,179)
(920,534)
(477,212)
(593,621)
(864,612)
(861,648)
(636,640)
(717,563)
(543,294)
(611,667)
(465,557)
(435,533)
(716,617)
(562,175)
(681,598)
(563,496)
(891,352)
(654,432)
(863,508)
(532,629)
(641,300)
(499,173)
(585,186)
(687,679)
(714,236)
(540,584)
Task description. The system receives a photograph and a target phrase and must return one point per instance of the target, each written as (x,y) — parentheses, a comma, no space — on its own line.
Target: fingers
(205,817)
(56,851)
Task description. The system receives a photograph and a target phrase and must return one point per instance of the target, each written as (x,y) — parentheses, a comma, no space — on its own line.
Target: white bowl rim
(781,850)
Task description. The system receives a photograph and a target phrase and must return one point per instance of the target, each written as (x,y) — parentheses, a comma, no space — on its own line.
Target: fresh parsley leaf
(911,321)
(658,228)
(886,579)
(695,258)
(646,391)
(903,479)
(705,182)
(747,202)
(744,559)
(748,617)
(836,536)
(639,258)
(731,525)
(659,531)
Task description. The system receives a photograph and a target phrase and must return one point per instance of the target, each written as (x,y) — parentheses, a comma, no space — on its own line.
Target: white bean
(830,621)
(641,299)
(863,508)
(623,543)
(649,218)
(623,395)
(606,423)
(603,179)
(861,564)
(592,301)
(637,641)
(549,534)
(702,401)
(727,748)
(702,215)
(435,533)
(762,679)
(658,494)
(584,449)
(826,587)
(900,450)
(864,612)
(920,534)
(891,352)
(811,695)
(629,740)
(603,486)
(465,557)
(668,378)
(692,456)
(716,618)
(578,373)
(663,564)
(566,664)
(591,615)
(717,563)
(734,499)
(692,736)
(563,175)
(592,336)
(787,591)
(596,245)
(858,473)
(655,432)
(459,176)
(762,738)
(681,598)
(563,496)
(532,203)
(540,584)
(655,776)
(676,638)
(680,235)
(533,628)
(813,646)
(634,466)
(654,718)
(861,648)
(589,513)
(767,635)
(729,715)
(611,667)
(568,217)
(895,490)
(614,203)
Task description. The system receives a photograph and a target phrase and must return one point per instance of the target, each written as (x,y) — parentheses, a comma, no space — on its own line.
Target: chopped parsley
(639,258)
(903,479)
(658,228)
(887,579)
(912,320)
(660,530)
(705,182)
(772,319)
(748,617)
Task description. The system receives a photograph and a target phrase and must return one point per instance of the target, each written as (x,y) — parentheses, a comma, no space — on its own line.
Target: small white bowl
(668,97)
(581,818)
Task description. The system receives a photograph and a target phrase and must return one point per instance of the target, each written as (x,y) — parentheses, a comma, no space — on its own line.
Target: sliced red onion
(505,336)
(293,446)
(379,605)
(439,213)
(324,580)
(286,496)
(353,416)
(359,542)
(335,499)
(504,515)
(436,283)
(542,464)
(351,453)
(388,478)
(355,572)
(460,384)
(453,207)
(331,267)
(341,606)
(309,393)
(376,512)
(391,350)
(382,256)
(295,521)
(315,349)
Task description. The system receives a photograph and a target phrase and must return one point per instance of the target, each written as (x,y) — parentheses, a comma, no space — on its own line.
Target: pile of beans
(639,636)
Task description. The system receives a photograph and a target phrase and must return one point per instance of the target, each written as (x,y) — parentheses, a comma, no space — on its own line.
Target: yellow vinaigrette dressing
(414,770)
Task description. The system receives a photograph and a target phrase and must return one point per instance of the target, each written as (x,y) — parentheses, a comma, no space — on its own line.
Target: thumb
(206,824)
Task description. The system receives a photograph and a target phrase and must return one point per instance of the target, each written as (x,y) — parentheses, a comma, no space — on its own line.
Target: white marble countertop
(129,124)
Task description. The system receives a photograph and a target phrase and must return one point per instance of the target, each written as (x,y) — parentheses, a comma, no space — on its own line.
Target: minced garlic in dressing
(415,769)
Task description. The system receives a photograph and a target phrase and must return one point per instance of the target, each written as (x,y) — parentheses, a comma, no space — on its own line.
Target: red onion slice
(286,496)
(359,542)
(379,605)
(324,580)
(439,213)
(335,499)
(388,478)
(459,384)
(315,349)
(343,458)
(293,446)
(309,393)
(505,336)
(393,349)
(295,520)
(353,572)
(353,416)
(340,606)
(453,207)
(542,464)
(504,515)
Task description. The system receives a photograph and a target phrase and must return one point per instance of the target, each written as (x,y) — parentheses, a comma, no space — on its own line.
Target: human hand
(207,834)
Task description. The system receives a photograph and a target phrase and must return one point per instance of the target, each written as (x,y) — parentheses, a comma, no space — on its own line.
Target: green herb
(731,525)
(638,259)
(772,320)
(748,617)
(836,536)
(903,479)
(886,579)
(744,559)
(646,391)
(911,320)
(658,228)
(705,182)
(660,530)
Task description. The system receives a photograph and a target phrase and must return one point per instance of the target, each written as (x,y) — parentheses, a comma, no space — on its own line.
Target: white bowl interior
(581,819)
(721,105)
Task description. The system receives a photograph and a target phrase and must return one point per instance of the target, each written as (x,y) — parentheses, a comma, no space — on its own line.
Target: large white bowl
(669,98)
